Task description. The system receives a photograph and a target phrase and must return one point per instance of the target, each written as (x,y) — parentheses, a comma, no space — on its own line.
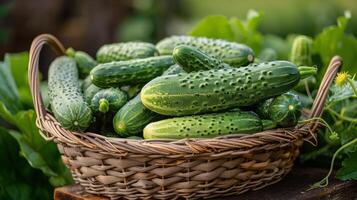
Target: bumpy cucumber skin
(125,51)
(131,72)
(231,53)
(218,89)
(204,126)
(67,102)
(132,118)
(114,97)
(85,62)
(301,51)
(262,109)
(192,59)
(285,110)
(90,92)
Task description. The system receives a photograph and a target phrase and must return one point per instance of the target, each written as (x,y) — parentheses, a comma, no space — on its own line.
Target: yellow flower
(341,78)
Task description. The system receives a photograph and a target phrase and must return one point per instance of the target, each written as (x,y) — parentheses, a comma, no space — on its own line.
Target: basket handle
(321,96)
(33,68)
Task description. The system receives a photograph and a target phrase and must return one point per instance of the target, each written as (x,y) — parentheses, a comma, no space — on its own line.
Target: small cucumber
(90,92)
(285,109)
(85,62)
(125,51)
(132,118)
(204,126)
(86,83)
(108,100)
(301,51)
(67,102)
(192,59)
(131,72)
(231,53)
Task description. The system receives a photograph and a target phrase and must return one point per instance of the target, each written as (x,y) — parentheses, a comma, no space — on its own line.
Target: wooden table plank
(296,184)
(293,187)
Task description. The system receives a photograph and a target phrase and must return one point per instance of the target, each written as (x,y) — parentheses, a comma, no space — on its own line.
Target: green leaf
(348,171)
(39,153)
(278,44)
(18,63)
(215,26)
(246,31)
(26,123)
(18,180)
(340,93)
(6,115)
(334,41)
(33,157)
(8,91)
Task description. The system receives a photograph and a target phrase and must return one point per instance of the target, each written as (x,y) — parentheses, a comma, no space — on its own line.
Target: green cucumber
(268,124)
(67,102)
(231,53)
(218,89)
(192,59)
(132,90)
(85,62)
(86,83)
(125,51)
(115,74)
(285,109)
(204,126)
(132,118)
(301,54)
(108,100)
(301,51)
(90,92)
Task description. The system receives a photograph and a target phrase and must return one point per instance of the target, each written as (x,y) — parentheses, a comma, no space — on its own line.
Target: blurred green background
(87,24)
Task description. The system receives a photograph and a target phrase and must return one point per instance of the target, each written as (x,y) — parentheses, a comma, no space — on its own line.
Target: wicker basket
(169,169)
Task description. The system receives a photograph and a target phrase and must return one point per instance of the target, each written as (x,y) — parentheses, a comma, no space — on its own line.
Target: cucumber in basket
(90,92)
(204,126)
(85,62)
(285,109)
(129,72)
(231,53)
(86,83)
(125,51)
(219,89)
(67,102)
(134,116)
(108,100)
(192,59)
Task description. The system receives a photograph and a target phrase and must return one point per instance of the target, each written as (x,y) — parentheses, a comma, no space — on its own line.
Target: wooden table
(293,187)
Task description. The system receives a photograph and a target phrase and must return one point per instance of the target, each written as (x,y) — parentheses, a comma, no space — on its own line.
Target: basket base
(295,186)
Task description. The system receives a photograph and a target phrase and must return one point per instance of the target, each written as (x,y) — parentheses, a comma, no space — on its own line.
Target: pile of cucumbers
(182,87)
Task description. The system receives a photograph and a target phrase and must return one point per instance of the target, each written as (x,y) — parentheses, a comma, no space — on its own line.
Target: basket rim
(279,137)
(50,129)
